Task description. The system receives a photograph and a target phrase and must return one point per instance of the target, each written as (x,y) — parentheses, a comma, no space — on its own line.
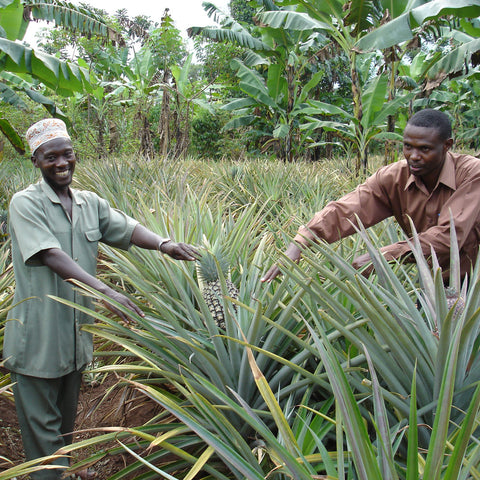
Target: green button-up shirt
(43,337)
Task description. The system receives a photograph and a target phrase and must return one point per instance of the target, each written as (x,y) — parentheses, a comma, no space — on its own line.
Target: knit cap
(44,131)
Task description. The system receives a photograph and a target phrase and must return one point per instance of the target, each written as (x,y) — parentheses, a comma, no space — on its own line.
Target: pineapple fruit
(454,298)
(210,285)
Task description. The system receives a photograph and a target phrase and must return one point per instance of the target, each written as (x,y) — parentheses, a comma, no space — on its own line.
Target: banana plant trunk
(389,144)
(362,154)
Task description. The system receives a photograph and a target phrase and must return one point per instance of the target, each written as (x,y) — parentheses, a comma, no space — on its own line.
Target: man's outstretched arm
(144,238)
(65,267)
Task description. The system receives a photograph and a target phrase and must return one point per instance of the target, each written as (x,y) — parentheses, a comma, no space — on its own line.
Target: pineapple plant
(454,298)
(210,264)
(3,224)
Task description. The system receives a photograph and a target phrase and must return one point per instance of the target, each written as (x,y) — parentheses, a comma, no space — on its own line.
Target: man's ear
(448,144)
(33,158)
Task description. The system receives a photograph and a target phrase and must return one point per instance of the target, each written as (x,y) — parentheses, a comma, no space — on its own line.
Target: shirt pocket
(89,250)
(93,235)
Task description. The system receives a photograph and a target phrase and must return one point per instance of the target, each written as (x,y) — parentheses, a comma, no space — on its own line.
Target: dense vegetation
(292,79)
(322,373)
(325,373)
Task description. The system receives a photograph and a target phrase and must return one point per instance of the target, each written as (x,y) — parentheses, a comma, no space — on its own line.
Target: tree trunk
(290,104)
(329,147)
(361,162)
(146,145)
(163,128)
(389,144)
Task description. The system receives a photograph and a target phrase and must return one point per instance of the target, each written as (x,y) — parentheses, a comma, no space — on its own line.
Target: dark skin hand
(64,266)
(293,252)
(365,259)
(362,260)
(144,238)
(180,251)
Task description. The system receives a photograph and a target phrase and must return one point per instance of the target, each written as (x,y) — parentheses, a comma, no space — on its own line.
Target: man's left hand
(362,260)
(180,251)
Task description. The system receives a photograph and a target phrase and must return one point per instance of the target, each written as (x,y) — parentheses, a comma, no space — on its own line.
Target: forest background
(288,80)
(281,106)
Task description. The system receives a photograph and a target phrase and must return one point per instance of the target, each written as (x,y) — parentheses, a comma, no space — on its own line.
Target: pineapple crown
(451,292)
(211,261)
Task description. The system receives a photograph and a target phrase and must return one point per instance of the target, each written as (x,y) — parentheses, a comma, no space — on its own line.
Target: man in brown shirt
(428,186)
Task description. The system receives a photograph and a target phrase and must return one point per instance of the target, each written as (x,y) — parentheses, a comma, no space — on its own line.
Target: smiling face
(56,160)
(425,152)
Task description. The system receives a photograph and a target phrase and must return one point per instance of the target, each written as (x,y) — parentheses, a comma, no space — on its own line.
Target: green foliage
(167,44)
(23,68)
(215,58)
(288,34)
(70,16)
(206,141)
(401,28)
(241,11)
(324,372)
(15,174)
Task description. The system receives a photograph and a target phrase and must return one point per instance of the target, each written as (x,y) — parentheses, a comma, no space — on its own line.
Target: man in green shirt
(55,232)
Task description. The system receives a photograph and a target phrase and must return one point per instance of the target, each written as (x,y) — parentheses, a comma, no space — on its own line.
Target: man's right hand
(293,252)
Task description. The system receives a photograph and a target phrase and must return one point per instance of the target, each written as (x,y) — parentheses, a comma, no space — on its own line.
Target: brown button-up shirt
(392,191)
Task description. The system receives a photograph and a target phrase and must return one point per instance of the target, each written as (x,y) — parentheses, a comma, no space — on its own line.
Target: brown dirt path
(121,407)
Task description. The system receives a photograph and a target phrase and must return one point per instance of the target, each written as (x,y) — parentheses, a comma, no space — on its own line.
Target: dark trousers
(46,411)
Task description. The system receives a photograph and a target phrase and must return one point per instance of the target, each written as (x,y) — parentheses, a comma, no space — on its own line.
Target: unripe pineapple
(453,297)
(210,284)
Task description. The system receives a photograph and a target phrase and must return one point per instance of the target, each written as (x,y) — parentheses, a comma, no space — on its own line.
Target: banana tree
(353,26)
(186,95)
(466,108)
(279,101)
(460,98)
(448,20)
(403,27)
(276,77)
(462,34)
(23,68)
(306,21)
(373,124)
(343,22)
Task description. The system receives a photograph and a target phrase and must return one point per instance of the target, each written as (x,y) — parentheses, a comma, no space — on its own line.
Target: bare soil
(99,406)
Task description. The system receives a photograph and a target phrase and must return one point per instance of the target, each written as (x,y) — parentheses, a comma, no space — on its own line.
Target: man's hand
(64,266)
(362,260)
(122,300)
(293,252)
(180,251)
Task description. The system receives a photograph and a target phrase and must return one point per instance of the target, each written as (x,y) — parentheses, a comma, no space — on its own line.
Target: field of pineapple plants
(322,374)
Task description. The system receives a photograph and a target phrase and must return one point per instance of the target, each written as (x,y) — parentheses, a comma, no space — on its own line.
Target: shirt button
(76,259)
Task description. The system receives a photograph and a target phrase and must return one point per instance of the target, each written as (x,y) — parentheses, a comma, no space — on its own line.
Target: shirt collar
(53,197)
(447,175)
